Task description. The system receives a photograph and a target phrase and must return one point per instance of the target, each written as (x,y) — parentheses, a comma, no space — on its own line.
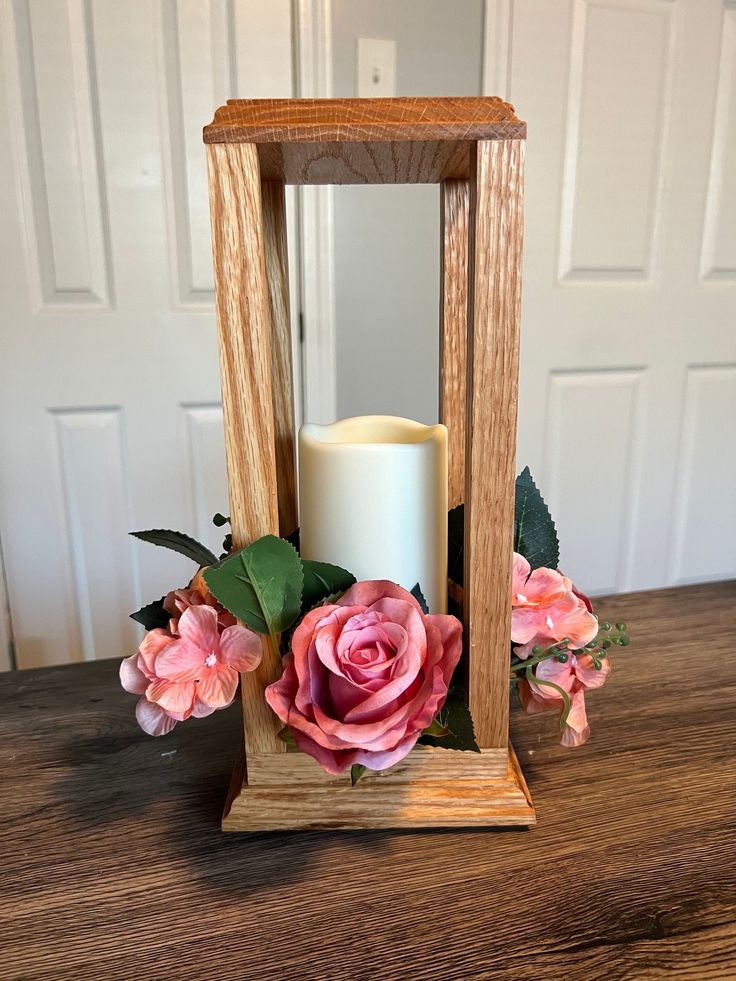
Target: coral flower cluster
(554,630)
(190,668)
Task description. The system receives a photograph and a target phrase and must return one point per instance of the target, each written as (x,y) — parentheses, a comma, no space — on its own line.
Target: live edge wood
(113,867)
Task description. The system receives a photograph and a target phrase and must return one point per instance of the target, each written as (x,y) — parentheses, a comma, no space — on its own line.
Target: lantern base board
(431,788)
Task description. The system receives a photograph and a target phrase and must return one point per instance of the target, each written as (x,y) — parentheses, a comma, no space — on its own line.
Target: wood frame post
(246,369)
(494,312)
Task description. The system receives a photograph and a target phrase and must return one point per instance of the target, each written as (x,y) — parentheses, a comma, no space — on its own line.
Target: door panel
(629,308)
(110,399)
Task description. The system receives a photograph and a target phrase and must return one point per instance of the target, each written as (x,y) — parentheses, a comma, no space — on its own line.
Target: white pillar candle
(373,499)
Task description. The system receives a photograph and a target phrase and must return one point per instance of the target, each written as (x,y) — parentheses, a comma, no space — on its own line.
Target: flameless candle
(373,499)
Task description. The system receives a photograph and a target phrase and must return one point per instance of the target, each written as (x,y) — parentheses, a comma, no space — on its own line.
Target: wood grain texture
(430,788)
(364,141)
(282,383)
(454,209)
(494,304)
(246,363)
(363,120)
(113,866)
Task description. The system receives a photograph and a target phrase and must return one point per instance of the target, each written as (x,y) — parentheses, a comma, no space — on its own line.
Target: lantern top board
(364,141)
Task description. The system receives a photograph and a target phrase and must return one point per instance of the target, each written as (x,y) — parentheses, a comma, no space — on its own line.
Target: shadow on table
(165,796)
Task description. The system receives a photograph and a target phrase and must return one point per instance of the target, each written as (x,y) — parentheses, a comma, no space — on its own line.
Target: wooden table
(112,865)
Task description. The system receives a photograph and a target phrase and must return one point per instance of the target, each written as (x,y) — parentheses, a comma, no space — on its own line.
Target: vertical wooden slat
(241,299)
(454,207)
(494,305)
(277,273)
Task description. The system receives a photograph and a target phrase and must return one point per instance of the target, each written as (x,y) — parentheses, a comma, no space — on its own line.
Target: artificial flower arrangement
(368,671)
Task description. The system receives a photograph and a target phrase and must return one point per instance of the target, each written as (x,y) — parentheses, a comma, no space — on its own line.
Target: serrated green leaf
(321,580)
(177,541)
(535,536)
(356,772)
(230,584)
(153,615)
(275,572)
(260,584)
(418,595)
(456,718)
(456,544)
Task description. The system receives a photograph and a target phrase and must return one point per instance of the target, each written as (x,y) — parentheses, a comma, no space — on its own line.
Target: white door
(628,388)
(110,414)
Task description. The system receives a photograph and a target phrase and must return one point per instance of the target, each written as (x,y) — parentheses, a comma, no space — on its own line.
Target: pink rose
(365,676)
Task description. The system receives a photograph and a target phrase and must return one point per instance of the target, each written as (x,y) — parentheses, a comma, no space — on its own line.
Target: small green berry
(621,627)
(597,664)
(536,649)
(606,644)
(624,641)
(562,658)
(605,626)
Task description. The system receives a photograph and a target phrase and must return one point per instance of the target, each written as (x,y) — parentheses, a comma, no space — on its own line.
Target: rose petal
(369,592)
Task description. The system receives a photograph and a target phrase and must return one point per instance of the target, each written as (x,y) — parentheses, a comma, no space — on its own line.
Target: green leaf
(455,717)
(177,541)
(456,543)
(260,584)
(321,579)
(535,536)
(152,616)
(418,595)
(436,730)
(286,736)
(220,519)
(356,772)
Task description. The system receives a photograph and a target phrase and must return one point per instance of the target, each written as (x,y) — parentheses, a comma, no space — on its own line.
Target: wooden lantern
(473,148)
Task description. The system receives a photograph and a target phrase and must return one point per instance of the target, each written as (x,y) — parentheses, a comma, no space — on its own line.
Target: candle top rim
(375,430)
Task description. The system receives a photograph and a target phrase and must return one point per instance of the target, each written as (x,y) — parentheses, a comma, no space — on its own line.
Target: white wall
(387,238)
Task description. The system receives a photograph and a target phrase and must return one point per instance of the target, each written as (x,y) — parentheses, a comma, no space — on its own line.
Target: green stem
(561,692)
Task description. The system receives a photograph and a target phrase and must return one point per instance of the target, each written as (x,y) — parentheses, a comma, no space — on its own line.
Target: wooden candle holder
(473,148)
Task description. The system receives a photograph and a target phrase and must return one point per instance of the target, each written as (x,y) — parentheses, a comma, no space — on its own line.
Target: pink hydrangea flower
(574,676)
(546,609)
(365,676)
(189,675)
(205,662)
(138,676)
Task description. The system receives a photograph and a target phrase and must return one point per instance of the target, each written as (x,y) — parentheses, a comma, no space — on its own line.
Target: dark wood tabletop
(112,864)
